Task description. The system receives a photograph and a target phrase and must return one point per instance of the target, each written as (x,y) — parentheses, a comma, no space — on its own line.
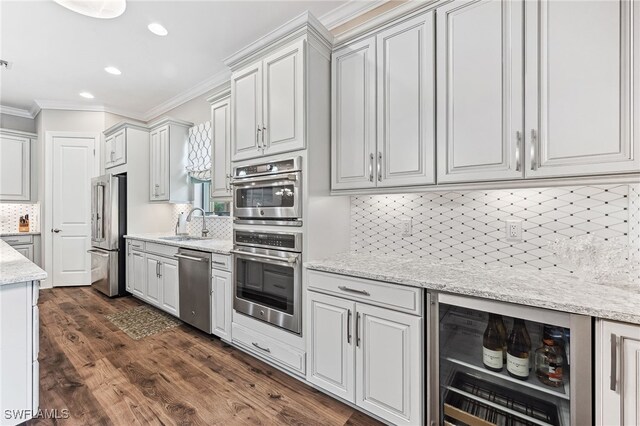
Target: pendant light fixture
(102,9)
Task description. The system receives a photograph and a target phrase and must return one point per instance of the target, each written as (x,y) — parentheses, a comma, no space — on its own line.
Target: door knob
(56,230)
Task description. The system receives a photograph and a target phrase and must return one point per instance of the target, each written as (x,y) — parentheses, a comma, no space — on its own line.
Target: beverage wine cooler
(498,363)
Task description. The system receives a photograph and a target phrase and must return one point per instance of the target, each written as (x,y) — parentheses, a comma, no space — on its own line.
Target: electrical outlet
(513,230)
(406,226)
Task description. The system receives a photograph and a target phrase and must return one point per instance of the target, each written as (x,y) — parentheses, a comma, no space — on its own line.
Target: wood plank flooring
(180,376)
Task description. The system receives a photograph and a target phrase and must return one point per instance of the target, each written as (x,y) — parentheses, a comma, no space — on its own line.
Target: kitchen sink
(185,238)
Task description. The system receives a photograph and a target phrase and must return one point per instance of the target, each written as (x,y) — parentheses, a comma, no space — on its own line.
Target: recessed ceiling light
(87,95)
(103,9)
(113,70)
(157,29)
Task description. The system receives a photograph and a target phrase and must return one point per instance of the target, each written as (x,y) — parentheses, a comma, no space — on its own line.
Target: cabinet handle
(258,131)
(518,144)
(353,290)
(112,153)
(159,270)
(614,362)
(260,347)
(215,262)
(264,130)
(371,167)
(348,325)
(534,141)
(379,166)
(358,329)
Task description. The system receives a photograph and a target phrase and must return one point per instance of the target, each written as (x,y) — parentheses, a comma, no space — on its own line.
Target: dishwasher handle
(195,259)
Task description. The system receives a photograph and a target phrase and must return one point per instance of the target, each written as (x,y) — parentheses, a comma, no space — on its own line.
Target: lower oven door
(104,271)
(268,286)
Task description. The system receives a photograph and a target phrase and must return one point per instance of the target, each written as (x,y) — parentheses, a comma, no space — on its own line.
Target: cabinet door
(222,302)
(119,155)
(480,90)
(389,364)
(153,293)
(283,94)
(109,151)
(353,116)
(139,285)
(330,328)
(581,97)
(26,251)
(220,131)
(130,269)
(406,103)
(246,113)
(15,168)
(159,164)
(617,374)
(169,291)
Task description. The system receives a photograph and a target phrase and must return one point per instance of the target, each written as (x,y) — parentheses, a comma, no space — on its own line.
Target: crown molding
(220,92)
(347,11)
(16,112)
(197,90)
(79,106)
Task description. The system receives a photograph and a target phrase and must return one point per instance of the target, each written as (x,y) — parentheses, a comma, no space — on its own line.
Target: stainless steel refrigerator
(108,227)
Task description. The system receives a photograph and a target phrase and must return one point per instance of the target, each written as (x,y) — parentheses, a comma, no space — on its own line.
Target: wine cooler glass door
(500,363)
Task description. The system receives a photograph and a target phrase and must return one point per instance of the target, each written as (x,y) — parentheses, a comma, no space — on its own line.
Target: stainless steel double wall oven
(267,240)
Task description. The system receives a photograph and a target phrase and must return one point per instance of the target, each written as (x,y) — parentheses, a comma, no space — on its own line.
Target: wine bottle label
(492,358)
(517,366)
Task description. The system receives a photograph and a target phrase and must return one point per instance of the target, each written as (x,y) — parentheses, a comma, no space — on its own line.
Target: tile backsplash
(10,214)
(219,226)
(470,225)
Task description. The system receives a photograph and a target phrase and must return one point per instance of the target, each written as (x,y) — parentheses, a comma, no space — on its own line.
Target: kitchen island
(19,334)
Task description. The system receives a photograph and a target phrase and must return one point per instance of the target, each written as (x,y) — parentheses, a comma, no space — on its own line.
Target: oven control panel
(289,241)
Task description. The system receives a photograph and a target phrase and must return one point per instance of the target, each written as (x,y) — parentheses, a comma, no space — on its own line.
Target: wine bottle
(518,348)
(493,342)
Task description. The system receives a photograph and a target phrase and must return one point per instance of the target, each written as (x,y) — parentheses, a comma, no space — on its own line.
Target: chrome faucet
(205,231)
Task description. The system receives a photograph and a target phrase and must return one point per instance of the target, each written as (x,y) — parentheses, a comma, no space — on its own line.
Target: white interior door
(73,168)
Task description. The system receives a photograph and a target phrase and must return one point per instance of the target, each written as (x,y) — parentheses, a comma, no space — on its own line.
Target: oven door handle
(274,178)
(289,259)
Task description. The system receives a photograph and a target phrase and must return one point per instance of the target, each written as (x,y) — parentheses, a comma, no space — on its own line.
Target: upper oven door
(268,197)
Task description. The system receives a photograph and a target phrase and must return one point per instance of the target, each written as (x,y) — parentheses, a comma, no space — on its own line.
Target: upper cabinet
(569,113)
(115,149)
(221,145)
(272,86)
(383,108)
(168,146)
(15,165)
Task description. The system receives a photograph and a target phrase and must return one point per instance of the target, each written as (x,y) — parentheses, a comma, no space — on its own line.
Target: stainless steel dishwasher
(194,273)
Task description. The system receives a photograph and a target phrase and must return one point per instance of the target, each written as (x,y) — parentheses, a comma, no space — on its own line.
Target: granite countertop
(617,300)
(15,234)
(15,268)
(210,245)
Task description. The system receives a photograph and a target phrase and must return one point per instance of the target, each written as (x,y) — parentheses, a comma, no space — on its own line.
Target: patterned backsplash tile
(470,225)
(219,226)
(634,222)
(10,216)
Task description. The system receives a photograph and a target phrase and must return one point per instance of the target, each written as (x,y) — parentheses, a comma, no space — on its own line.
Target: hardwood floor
(180,376)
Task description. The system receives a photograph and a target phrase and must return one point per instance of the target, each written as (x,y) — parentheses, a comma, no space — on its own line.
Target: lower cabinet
(368,355)
(221,303)
(617,373)
(138,277)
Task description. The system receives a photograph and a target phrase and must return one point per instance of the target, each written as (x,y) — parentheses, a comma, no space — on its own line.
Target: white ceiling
(56,53)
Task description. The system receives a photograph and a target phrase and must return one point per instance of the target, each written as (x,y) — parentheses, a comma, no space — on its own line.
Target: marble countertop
(209,245)
(15,268)
(617,300)
(15,234)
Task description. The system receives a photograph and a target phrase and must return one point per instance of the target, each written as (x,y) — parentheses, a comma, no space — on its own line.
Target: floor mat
(143,321)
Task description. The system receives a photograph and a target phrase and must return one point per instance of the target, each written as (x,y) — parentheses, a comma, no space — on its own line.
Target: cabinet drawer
(269,348)
(18,239)
(396,297)
(221,261)
(161,249)
(136,244)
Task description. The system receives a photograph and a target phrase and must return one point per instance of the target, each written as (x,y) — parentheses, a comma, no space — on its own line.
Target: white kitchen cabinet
(221,145)
(267,99)
(617,373)
(139,276)
(26,251)
(169,286)
(353,114)
(168,149)
(480,90)
(383,101)
(221,303)
(582,97)
(115,149)
(15,165)
(23,244)
(154,282)
(366,354)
